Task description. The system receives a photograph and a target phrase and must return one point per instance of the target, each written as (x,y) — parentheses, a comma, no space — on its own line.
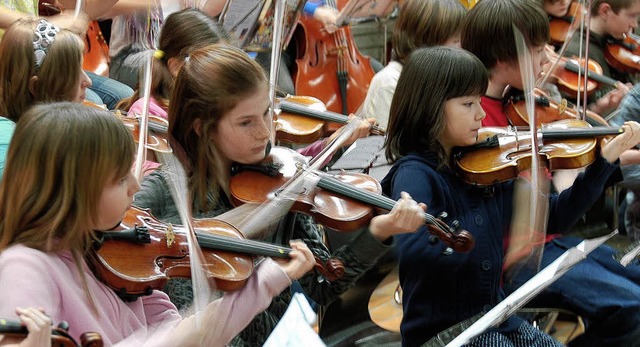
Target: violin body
(296,128)
(96,55)
(567,79)
(546,110)
(330,66)
(136,268)
(304,119)
(559,27)
(156,137)
(624,55)
(510,152)
(339,213)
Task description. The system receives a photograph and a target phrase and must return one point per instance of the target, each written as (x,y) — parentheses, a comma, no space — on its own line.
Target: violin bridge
(170,235)
(562,106)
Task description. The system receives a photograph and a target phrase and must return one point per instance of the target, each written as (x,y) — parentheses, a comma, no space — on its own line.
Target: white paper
(294,329)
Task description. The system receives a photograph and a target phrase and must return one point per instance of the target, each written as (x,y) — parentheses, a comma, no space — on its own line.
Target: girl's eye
(245,123)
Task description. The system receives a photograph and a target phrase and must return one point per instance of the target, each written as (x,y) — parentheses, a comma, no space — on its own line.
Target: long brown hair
(58,75)
(230,76)
(182,32)
(425,23)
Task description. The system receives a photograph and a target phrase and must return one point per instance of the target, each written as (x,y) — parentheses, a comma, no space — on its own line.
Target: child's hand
(612,99)
(301,261)
(328,16)
(38,324)
(611,150)
(405,217)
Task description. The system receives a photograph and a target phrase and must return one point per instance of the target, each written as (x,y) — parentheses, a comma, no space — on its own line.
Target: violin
(623,54)
(344,202)
(501,153)
(156,139)
(303,119)
(559,27)
(547,111)
(569,75)
(59,335)
(142,253)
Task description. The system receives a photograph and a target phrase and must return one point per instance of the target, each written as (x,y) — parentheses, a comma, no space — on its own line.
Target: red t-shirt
(495,112)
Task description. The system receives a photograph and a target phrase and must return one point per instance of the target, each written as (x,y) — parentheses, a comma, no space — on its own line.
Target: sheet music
(356,11)
(239,18)
(294,329)
(250,22)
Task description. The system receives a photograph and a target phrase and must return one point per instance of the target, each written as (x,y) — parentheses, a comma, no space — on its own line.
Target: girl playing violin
(224,120)
(420,140)
(48,223)
(183,32)
(33,55)
(419,24)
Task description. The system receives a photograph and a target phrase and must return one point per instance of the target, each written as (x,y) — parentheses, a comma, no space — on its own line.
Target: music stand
(359,11)
(250,22)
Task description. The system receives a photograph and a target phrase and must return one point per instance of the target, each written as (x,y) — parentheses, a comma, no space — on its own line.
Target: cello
(330,66)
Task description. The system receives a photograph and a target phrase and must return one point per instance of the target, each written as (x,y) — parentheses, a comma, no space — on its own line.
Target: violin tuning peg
(443,215)
(64,325)
(455,225)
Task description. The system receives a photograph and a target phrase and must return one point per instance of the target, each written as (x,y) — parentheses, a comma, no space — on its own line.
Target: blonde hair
(57,77)
(230,76)
(60,158)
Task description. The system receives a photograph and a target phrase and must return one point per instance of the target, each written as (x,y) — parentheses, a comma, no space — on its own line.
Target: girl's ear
(174,66)
(32,85)
(197,126)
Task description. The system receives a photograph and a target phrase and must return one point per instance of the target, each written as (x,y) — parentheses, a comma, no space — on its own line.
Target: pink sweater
(31,278)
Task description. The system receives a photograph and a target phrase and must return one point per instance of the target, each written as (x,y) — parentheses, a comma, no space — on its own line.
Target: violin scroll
(453,236)
(332,269)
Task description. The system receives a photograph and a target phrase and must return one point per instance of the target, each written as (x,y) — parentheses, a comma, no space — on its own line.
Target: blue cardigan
(441,289)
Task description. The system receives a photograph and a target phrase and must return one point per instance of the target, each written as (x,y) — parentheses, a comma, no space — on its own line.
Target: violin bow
(145,83)
(276,52)
(530,203)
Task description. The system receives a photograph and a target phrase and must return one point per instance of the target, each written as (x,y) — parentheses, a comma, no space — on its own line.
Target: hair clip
(186,59)
(44,36)
(158,54)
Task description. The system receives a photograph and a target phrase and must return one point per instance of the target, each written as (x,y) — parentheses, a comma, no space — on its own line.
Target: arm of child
(227,316)
(39,326)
